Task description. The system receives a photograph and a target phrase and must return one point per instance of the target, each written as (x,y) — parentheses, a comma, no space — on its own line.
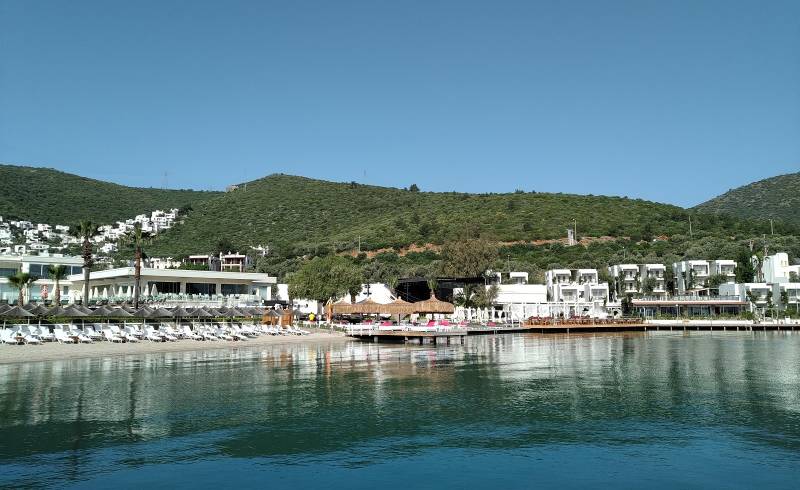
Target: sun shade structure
(433,305)
(200,313)
(143,312)
(39,310)
(180,313)
(17,312)
(160,313)
(70,311)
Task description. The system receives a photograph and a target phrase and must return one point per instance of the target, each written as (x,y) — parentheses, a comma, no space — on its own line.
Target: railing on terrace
(688,297)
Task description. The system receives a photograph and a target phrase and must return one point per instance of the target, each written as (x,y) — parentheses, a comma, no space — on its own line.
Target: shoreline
(53,351)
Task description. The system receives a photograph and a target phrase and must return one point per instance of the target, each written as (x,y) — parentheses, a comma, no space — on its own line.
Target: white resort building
(633,279)
(36,265)
(178,286)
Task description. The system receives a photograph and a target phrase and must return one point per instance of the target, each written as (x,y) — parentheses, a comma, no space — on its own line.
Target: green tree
(137,239)
(84,231)
(794,277)
(325,278)
(715,280)
(627,304)
(57,273)
(744,267)
(21,281)
(485,297)
(648,285)
(413,188)
(784,300)
(470,258)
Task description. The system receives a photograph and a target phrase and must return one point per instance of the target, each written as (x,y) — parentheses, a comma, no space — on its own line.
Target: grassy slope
(305,215)
(776,197)
(50,196)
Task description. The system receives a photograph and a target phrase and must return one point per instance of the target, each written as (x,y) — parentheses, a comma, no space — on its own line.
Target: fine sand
(50,351)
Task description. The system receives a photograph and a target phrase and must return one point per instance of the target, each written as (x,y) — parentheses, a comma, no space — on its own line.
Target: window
(166,287)
(200,288)
(234,289)
(8,271)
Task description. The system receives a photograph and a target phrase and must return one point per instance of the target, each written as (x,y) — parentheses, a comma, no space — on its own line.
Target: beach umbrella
(83,309)
(223,311)
(55,311)
(154,290)
(232,312)
(160,313)
(179,313)
(17,312)
(213,312)
(102,311)
(119,313)
(70,311)
(120,291)
(143,312)
(4,307)
(105,293)
(200,313)
(40,310)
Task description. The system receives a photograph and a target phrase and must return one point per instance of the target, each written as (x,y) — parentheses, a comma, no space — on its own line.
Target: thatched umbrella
(180,313)
(4,307)
(367,306)
(72,311)
(213,312)
(39,310)
(55,311)
(84,309)
(102,311)
(17,312)
(233,312)
(200,313)
(433,305)
(119,313)
(143,312)
(160,313)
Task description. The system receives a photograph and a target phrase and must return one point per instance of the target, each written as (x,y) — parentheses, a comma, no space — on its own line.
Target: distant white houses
(776,269)
(777,289)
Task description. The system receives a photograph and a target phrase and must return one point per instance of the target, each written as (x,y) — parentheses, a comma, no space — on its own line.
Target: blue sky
(663,100)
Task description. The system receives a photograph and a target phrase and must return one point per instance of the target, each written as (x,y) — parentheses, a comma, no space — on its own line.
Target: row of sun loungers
(165,332)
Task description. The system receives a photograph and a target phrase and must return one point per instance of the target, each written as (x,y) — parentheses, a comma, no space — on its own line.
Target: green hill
(299,217)
(45,195)
(776,197)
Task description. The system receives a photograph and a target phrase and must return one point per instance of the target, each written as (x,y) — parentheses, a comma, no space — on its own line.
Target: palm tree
(21,281)
(137,238)
(57,273)
(84,231)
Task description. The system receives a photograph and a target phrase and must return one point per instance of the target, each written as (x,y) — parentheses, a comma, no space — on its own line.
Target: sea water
(655,410)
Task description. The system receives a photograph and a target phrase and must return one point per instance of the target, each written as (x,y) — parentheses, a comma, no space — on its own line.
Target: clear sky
(673,101)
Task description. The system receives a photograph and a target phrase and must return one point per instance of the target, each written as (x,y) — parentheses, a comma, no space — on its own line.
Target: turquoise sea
(656,410)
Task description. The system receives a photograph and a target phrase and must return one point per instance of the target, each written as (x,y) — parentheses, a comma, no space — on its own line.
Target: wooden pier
(454,336)
(457,335)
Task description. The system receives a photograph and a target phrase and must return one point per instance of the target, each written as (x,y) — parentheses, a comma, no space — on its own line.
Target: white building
(179,287)
(632,279)
(36,265)
(776,268)
(575,286)
(758,291)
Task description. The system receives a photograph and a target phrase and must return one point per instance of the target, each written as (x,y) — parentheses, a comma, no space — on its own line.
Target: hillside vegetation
(301,217)
(776,197)
(45,195)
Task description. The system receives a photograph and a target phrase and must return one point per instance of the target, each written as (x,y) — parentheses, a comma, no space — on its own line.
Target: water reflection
(360,404)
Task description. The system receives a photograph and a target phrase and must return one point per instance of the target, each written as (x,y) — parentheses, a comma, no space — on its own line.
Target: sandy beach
(50,351)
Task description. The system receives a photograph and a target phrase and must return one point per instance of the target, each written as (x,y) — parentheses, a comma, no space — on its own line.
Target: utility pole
(359,244)
(690,226)
(575,229)
(771,228)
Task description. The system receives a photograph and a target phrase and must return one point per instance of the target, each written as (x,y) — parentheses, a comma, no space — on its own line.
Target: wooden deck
(457,335)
